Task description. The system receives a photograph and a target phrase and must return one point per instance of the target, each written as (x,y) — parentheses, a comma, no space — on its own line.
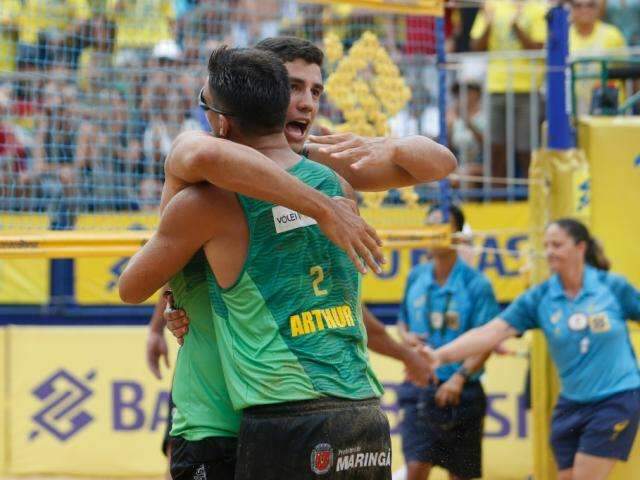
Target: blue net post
(441,57)
(558,121)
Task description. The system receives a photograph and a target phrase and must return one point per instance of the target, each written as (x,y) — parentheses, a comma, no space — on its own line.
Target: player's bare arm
(200,157)
(185,225)
(371,164)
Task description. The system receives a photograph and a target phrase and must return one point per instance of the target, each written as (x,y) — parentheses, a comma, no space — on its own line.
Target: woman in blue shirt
(581,310)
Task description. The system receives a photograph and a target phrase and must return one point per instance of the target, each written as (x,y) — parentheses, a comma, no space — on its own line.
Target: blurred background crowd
(92,93)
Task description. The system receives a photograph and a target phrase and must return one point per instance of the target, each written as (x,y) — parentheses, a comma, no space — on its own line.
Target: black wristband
(462,371)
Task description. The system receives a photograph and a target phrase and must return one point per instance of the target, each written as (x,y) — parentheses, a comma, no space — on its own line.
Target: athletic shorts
(209,458)
(326,439)
(167,438)
(457,446)
(605,428)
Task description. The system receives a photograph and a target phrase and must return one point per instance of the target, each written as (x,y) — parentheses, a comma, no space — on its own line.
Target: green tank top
(203,407)
(291,328)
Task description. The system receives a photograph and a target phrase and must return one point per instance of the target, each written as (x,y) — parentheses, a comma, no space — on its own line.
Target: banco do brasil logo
(62,414)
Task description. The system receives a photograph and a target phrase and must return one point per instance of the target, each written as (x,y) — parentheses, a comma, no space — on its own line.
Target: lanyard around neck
(447,304)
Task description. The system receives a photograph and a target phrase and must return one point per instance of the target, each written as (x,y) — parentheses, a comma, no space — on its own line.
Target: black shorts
(326,439)
(166,440)
(455,446)
(209,458)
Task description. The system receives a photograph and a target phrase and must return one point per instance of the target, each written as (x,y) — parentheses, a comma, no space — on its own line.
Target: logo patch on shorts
(619,428)
(321,458)
(286,219)
(201,473)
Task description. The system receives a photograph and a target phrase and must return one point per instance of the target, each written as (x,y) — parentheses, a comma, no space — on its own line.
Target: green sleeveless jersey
(291,328)
(203,408)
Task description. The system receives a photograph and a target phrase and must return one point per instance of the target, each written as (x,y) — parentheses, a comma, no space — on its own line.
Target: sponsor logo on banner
(285,219)
(321,458)
(63,414)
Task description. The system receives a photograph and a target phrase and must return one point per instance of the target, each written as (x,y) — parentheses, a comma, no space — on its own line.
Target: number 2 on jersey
(318,276)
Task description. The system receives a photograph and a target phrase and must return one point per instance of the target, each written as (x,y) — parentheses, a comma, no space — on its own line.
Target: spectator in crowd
(255,20)
(169,114)
(9,33)
(54,151)
(13,156)
(142,23)
(625,14)
(48,31)
(106,157)
(96,44)
(466,124)
(443,424)
(589,36)
(501,28)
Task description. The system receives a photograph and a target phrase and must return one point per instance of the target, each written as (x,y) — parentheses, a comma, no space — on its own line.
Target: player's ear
(223,127)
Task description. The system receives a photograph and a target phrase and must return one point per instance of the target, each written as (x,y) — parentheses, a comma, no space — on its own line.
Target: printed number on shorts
(318,276)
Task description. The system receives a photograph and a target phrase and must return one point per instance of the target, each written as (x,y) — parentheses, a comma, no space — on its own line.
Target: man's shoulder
(203,197)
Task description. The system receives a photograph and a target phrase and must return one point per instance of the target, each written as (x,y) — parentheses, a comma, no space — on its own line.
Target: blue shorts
(605,428)
(458,446)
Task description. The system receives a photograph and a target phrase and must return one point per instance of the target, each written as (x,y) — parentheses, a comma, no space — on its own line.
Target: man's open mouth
(297,128)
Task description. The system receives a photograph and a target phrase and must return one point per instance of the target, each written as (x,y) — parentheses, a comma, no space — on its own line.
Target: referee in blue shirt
(443,424)
(581,310)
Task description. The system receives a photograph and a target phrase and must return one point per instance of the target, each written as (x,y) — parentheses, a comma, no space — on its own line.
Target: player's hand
(449,392)
(364,152)
(156,349)
(417,368)
(431,357)
(412,339)
(344,227)
(177,321)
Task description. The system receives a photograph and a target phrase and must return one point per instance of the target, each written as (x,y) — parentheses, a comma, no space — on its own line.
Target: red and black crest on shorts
(321,458)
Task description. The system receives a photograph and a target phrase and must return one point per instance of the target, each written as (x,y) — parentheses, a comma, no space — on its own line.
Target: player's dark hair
(594,254)
(252,85)
(454,211)
(289,49)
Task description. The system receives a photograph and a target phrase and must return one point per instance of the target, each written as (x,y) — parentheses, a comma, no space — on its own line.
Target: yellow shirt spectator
(508,73)
(39,15)
(603,37)
(142,23)
(9,15)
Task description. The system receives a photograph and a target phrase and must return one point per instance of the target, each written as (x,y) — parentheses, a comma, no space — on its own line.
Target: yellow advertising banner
(83,402)
(612,146)
(96,279)
(24,281)
(501,230)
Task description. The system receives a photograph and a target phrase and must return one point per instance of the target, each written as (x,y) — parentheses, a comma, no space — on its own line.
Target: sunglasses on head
(202,103)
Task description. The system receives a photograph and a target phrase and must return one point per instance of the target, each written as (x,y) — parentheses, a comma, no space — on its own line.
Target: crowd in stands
(92,92)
